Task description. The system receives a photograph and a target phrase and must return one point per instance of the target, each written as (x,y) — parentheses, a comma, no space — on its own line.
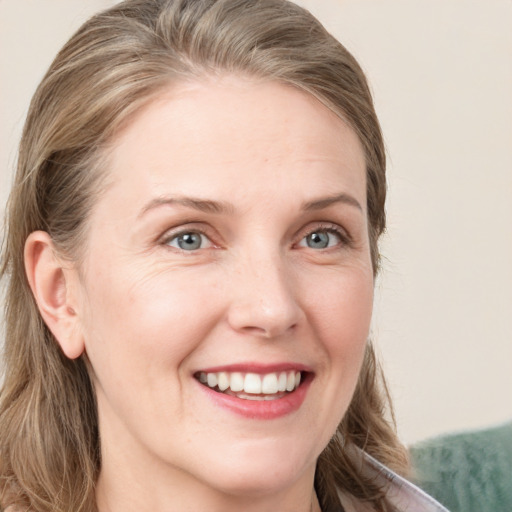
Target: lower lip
(260,409)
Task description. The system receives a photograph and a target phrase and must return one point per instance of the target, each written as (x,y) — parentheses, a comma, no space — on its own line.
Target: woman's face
(229,251)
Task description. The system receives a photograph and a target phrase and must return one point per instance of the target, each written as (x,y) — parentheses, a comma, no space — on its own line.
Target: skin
(149,315)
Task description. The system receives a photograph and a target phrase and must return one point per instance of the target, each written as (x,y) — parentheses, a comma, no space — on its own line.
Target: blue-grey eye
(321,239)
(189,241)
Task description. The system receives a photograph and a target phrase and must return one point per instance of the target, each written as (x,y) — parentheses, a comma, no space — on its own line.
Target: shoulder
(469,470)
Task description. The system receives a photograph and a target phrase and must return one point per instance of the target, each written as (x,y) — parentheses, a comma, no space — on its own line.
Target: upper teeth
(252,383)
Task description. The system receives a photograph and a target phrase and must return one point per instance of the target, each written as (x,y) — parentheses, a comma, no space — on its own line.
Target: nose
(264,297)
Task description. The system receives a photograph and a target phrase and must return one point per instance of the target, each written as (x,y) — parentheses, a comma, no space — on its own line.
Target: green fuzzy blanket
(467,472)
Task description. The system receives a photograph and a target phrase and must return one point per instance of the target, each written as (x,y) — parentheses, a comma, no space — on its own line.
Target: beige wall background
(441,73)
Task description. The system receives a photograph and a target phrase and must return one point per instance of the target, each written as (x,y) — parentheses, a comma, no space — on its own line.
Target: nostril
(259,331)
(269,332)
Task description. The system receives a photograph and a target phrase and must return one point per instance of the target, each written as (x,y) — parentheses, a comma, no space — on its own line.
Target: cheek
(137,320)
(343,311)
(340,313)
(342,316)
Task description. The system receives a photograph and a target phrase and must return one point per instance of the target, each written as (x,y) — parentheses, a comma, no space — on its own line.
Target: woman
(191,253)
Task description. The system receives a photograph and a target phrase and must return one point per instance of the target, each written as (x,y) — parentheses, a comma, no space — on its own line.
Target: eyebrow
(320,204)
(203,205)
(223,207)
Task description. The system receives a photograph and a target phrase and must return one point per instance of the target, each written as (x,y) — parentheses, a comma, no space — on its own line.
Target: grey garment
(402,495)
(468,471)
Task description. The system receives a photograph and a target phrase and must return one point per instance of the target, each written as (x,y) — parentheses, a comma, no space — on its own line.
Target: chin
(261,470)
(247,483)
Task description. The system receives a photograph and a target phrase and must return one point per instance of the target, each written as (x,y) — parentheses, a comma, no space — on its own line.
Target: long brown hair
(114,64)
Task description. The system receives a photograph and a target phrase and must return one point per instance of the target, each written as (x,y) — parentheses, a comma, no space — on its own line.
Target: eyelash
(343,236)
(168,237)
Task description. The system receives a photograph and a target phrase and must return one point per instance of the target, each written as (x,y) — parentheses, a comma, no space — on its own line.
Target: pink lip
(259,409)
(257,368)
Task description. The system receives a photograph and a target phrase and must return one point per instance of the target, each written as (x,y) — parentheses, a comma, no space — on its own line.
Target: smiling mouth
(252,386)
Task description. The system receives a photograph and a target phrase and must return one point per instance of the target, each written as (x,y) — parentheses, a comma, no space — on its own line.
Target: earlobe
(49,280)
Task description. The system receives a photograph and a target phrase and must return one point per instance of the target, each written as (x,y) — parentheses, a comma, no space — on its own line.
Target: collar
(401,494)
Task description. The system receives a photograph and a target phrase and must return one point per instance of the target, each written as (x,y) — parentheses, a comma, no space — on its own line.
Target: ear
(52,283)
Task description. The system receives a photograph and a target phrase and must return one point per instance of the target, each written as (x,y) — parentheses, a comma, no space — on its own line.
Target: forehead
(216,135)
